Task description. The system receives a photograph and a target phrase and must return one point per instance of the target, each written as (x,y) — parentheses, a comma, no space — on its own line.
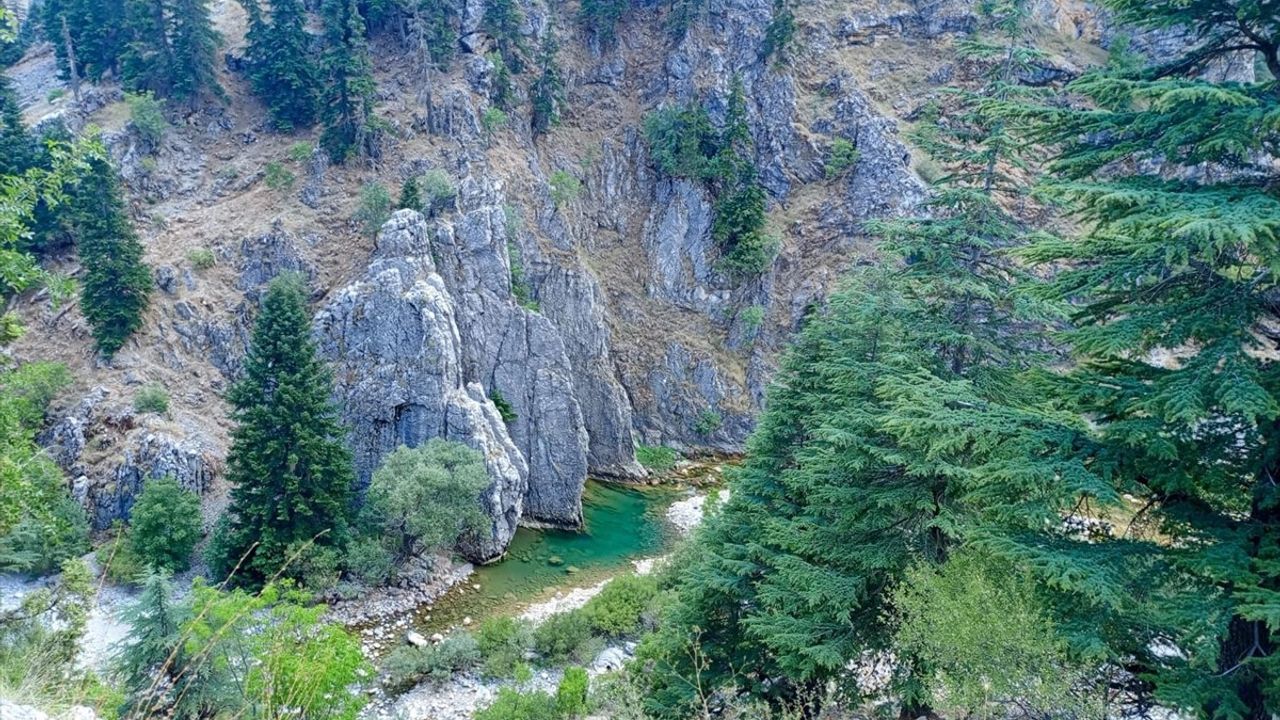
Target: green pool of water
(621,524)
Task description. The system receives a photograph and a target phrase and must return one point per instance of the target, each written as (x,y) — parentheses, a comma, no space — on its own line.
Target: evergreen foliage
(289,469)
(280,65)
(17,148)
(346,104)
(97,36)
(164,525)
(147,662)
(1179,263)
(905,423)
(432,25)
(684,143)
(600,18)
(547,91)
(147,61)
(116,287)
(195,51)
(502,21)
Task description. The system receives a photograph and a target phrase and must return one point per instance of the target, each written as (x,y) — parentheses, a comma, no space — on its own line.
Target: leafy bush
(278,177)
(571,694)
(843,155)
(152,398)
(437,190)
(564,187)
(492,119)
(164,526)
(507,412)
(503,642)
(369,561)
(682,141)
(425,498)
(708,422)
(119,558)
(519,285)
(374,208)
(146,114)
(515,705)
(751,318)
(407,666)
(616,610)
(202,258)
(301,151)
(657,458)
(563,636)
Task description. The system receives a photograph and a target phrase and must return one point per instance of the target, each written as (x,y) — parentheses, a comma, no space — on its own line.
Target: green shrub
(519,285)
(503,642)
(708,422)
(374,208)
(301,151)
(164,525)
(751,318)
(657,458)
(437,190)
(369,561)
(410,195)
(278,177)
(507,412)
(55,94)
(601,18)
(408,666)
(571,694)
(515,705)
(563,636)
(201,258)
(146,114)
(617,609)
(564,187)
(843,155)
(118,557)
(682,141)
(152,398)
(492,119)
(423,499)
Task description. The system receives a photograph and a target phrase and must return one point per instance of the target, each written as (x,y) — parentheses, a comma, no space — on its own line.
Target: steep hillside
(568,275)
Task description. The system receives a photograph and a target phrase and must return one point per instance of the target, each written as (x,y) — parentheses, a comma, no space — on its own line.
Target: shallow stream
(622,523)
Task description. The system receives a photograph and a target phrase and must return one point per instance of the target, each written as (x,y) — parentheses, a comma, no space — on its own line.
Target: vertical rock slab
(517,353)
(393,340)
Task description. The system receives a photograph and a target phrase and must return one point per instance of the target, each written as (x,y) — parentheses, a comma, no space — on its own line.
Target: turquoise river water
(621,524)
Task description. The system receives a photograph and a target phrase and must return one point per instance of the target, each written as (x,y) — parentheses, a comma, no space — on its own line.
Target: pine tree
(289,469)
(1181,263)
(905,423)
(147,63)
(195,50)
(149,660)
(502,20)
(280,65)
(410,195)
(95,32)
(547,92)
(17,149)
(117,284)
(347,103)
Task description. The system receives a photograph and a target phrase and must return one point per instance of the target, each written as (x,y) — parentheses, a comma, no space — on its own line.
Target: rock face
(516,353)
(399,375)
(110,453)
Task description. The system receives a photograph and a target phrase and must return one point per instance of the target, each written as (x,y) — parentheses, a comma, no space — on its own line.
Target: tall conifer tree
(1171,174)
(349,87)
(280,65)
(117,285)
(147,62)
(195,50)
(289,469)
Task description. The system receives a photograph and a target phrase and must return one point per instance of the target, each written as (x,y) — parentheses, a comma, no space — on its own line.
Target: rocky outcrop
(516,353)
(111,452)
(399,375)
